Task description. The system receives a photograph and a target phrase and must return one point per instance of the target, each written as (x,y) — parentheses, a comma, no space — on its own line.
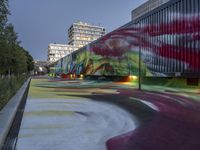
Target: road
(93,115)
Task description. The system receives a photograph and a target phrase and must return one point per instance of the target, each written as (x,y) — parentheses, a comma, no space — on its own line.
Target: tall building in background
(147,7)
(57,51)
(81,33)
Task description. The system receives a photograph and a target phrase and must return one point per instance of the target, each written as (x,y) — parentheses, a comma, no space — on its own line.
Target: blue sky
(40,22)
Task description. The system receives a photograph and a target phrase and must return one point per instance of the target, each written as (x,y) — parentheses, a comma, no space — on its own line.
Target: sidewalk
(58,117)
(90,115)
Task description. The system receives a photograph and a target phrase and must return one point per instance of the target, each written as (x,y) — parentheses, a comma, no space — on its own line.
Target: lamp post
(139,79)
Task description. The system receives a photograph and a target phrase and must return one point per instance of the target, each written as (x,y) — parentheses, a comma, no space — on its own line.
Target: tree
(14,59)
(13,53)
(30,63)
(4,12)
(3,46)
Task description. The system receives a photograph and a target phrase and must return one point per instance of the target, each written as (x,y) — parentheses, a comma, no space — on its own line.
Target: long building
(172,38)
(168,38)
(82,33)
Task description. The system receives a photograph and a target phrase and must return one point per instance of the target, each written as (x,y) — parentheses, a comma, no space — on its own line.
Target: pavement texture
(57,117)
(99,115)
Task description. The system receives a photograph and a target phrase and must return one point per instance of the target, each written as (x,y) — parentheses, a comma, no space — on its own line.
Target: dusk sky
(40,22)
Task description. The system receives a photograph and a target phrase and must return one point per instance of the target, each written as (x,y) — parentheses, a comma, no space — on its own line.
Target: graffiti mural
(169,42)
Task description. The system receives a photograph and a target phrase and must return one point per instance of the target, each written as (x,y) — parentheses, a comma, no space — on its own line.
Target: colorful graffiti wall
(169,40)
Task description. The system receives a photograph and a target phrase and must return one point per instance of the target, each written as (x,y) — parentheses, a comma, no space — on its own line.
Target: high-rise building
(57,51)
(81,33)
(147,7)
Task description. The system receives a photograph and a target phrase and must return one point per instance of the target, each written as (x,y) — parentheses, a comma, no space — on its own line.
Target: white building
(81,33)
(58,51)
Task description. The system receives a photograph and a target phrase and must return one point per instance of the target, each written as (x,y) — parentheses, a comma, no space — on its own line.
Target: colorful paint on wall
(169,42)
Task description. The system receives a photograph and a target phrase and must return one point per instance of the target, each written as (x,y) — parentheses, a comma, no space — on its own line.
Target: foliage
(14,59)
(8,87)
(3,13)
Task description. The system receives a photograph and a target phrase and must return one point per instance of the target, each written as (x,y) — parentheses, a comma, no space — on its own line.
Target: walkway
(84,115)
(56,118)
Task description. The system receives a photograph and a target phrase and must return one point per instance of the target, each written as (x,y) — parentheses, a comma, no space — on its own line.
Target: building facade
(81,33)
(171,38)
(147,7)
(168,39)
(58,51)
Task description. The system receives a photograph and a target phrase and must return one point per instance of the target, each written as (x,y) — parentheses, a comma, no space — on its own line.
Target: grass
(9,86)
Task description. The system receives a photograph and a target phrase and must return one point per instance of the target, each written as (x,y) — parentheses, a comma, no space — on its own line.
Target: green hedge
(9,85)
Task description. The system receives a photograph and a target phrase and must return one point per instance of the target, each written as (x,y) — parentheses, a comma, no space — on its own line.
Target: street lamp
(139,79)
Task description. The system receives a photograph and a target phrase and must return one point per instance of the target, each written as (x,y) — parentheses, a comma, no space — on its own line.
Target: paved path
(56,118)
(84,115)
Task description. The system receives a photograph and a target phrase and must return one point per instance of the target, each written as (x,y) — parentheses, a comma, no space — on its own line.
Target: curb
(7,114)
